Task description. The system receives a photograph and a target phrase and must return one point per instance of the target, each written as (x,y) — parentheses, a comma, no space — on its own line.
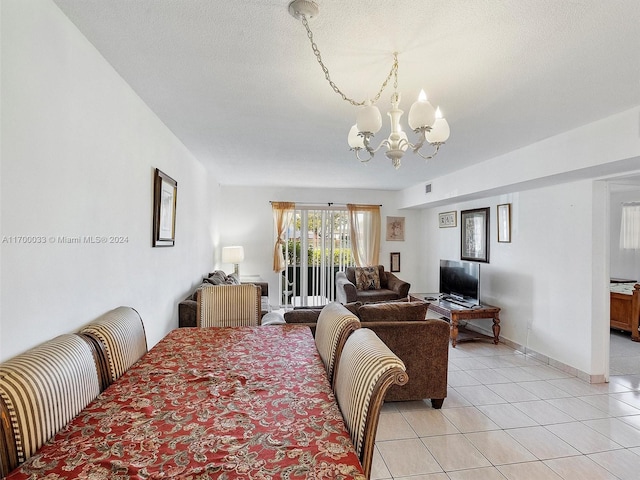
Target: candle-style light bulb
(422,114)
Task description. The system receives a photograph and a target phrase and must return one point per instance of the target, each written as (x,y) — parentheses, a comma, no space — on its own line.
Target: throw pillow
(232,279)
(216,278)
(367,278)
(393,311)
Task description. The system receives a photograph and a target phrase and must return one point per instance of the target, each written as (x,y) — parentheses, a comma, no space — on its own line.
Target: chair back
(366,370)
(335,324)
(229,306)
(41,390)
(120,339)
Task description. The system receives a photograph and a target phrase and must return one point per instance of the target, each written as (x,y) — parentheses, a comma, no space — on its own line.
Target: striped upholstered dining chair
(228,306)
(41,390)
(120,339)
(335,324)
(366,370)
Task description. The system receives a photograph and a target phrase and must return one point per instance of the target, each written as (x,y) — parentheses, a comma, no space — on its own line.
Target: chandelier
(428,123)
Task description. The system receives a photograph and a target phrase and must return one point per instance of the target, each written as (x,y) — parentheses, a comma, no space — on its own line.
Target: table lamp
(235,255)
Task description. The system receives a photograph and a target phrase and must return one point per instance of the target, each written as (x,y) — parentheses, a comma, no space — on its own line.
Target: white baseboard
(540,357)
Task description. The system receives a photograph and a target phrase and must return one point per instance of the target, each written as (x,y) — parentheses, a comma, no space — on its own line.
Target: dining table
(233,402)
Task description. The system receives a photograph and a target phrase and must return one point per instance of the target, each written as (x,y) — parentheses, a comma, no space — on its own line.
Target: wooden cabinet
(625,312)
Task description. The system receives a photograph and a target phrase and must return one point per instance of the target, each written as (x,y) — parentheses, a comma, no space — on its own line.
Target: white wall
(541,279)
(248,221)
(552,280)
(78,153)
(606,147)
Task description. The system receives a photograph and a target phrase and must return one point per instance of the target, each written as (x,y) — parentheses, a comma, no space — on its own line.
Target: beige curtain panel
(282,217)
(364,223)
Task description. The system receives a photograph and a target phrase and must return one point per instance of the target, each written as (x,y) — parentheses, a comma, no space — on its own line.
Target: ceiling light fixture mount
(424,120)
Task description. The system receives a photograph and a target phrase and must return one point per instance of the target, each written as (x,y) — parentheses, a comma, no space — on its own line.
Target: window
(630,226)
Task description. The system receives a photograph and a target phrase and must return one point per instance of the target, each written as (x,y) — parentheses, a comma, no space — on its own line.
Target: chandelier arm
(363,160)
(435,151)
(327,76)
(422,137)
(403,144)
(369,148)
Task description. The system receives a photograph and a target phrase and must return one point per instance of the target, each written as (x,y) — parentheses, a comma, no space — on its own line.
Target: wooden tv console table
(454,313)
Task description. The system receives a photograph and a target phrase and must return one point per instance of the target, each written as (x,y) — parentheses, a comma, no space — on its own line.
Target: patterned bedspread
(249,402)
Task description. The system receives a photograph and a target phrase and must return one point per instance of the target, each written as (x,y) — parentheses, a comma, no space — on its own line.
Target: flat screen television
(460,282)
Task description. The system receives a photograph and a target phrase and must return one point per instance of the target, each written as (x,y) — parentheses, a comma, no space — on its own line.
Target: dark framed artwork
(395,261)
(504,223)
(165,193)
(474,235)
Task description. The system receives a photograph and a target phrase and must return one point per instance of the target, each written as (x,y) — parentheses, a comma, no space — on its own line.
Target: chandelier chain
(393,72)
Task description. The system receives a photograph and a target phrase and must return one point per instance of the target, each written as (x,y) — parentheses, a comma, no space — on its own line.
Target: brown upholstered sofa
(187,308)
(391,287)
(422,344)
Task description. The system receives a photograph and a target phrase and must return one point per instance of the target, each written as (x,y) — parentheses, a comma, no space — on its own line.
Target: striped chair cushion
(335,324)
(229,306)
(120,335)
(366,370)
(45,387)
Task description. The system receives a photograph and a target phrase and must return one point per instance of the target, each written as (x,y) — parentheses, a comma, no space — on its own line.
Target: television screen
(460,281)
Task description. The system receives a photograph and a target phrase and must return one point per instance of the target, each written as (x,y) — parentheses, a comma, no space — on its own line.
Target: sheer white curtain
(630,226)
(364,223)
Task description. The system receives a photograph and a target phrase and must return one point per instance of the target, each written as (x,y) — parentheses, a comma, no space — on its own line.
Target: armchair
(187,308)
(391,287)
(228,306)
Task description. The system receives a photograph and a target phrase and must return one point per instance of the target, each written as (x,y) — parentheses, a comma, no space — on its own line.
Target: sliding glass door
(317,245)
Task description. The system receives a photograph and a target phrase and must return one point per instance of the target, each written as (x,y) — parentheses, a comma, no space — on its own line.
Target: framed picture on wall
(395,229)
(395,261)
(474,235)
(165,193)
(504,223)
(447,219)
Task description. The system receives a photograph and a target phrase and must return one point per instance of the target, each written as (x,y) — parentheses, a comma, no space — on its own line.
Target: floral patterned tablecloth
(248,402)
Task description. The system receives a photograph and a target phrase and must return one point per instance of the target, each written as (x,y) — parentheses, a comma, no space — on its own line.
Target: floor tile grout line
(575,388)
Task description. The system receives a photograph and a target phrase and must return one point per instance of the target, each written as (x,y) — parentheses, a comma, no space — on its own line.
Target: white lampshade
(234,254)
(422,113)
(355,140)
(369,119)
(440,131)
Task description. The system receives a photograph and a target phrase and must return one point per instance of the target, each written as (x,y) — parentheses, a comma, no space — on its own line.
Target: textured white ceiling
(238,83)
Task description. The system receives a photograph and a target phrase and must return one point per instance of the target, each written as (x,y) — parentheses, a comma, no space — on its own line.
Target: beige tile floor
(508,416)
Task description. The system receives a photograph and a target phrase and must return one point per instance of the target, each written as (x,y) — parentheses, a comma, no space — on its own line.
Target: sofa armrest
(423,346)
(187,313)
(399,286)
(345,290)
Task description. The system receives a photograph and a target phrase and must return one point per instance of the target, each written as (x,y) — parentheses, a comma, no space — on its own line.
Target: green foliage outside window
(314,255)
